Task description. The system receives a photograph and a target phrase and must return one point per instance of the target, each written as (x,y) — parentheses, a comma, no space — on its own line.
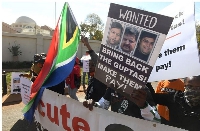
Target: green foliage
(98,35)
(8,78)
(16,65)
(93,25)
(15,49)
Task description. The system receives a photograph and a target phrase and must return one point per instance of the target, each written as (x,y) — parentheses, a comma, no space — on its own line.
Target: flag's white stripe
(65,62)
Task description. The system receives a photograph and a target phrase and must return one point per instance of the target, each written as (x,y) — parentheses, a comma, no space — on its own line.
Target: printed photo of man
(145,45)
(114,35)
(129,39)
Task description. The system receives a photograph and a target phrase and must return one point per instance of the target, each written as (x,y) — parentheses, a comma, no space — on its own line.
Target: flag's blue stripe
(60,74)
(56,77)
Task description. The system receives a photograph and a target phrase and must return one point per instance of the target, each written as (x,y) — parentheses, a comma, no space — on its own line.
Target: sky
(47,12)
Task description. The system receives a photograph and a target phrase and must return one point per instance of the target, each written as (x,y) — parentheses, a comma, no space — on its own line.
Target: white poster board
(85,65)
(25,85)
(179,55)
(85,59)
(59,113)
(15,82)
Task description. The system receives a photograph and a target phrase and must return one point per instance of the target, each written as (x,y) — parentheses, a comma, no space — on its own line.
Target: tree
(15,49)
(93,26)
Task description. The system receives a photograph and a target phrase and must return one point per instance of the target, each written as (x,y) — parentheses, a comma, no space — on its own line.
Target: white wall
(32,44)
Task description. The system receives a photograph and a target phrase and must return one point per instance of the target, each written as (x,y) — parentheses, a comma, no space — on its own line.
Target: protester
(184,107)
(145,45)
(36,67)
(129,39)
(74,80)
(115,33)
(139,104)
(96,89)
(85,74)
(118,101)
(167,86)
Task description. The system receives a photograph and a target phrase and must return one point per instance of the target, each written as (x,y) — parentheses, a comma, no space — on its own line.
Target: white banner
(25,85)
(179,55)
(59,113)
(15,82)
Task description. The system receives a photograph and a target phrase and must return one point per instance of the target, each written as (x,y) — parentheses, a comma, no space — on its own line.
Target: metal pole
(35,28)
(55,14)
(4,83)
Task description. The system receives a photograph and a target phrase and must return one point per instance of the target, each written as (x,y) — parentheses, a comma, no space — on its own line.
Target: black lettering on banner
(168,52)
(174,50)
(177,24)
(164,66)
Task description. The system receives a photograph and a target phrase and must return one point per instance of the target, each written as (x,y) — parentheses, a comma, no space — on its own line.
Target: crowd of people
(173,102)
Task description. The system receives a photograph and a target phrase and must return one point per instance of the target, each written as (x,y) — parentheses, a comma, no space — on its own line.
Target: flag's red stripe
(52,52)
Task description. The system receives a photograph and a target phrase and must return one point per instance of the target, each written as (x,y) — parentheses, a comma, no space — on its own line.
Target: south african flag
(59,61)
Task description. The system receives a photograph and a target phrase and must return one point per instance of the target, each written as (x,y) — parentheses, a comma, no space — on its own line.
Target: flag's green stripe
(30,103)
(69,51)
(66,61)
(66,53)
(28,106)
(63,54)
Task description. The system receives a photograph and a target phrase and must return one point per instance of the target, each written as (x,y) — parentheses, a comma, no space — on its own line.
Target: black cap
(39,58)
(36,58)
(43,56)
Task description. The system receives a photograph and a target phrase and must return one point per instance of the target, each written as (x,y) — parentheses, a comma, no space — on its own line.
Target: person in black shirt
(96,89)
(139,104)
(184,106)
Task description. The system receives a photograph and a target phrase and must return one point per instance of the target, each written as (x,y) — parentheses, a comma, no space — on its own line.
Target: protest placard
(25,85)
(85,60)
(131,43)
(15,82)
(58,113)
(178,57)
(85,65)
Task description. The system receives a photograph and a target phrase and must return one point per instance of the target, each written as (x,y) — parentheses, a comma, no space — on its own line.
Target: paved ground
(12,117)
(13,120)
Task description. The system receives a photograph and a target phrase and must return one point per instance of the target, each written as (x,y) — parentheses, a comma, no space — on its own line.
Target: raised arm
(93,55)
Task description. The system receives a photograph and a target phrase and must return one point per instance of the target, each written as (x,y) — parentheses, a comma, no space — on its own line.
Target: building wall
(6,28)
(32,44)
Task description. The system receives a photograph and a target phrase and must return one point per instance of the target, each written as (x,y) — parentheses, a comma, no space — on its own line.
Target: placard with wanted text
(131,44)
